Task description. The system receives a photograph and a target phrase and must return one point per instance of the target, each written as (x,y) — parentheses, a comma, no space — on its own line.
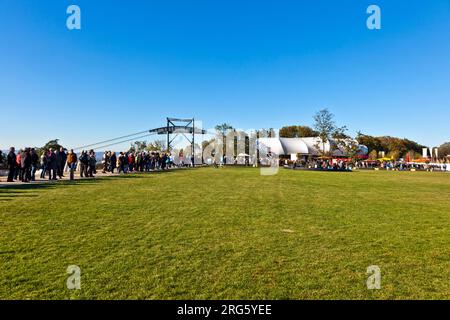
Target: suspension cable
(110,140)
(123,141)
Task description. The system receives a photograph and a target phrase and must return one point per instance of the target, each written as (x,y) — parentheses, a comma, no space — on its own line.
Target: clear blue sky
(254,64)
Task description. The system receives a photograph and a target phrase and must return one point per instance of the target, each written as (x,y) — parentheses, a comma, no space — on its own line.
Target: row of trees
(444,149)
(325,128)
(139,146)
(392,147)
(297,132)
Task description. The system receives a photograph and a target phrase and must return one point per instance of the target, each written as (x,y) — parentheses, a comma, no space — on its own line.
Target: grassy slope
(229,233)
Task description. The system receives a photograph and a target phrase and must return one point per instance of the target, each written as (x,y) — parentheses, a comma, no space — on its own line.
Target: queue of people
(53,164)
(144,161)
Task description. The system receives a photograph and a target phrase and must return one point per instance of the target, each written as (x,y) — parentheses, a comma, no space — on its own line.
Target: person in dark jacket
(84,163)
(63,155)
(61,158)
(112,161)
(51,164)
(11,160)
(34,163)
(26,165)
(121,161)
(92,163)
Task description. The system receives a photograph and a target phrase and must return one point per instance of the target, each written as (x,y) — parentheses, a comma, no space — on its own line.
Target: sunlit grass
(229,233)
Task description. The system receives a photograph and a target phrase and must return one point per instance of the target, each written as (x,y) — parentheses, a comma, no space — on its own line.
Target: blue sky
(254,64)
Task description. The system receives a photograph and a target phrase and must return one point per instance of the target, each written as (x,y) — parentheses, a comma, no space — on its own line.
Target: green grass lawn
(229,234)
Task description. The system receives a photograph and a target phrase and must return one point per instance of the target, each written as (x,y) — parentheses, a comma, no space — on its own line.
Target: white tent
(288,146)
(303,146)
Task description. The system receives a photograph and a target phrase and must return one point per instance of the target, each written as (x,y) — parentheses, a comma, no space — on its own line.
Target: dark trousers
(59,170)
(51,173)
(26,174)
(91,171)
(83,170)
(11,173)
(17,173)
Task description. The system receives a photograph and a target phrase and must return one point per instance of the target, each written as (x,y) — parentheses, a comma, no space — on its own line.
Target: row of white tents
(304,146)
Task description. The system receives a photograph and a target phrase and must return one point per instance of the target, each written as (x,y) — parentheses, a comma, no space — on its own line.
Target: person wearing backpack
(84,162)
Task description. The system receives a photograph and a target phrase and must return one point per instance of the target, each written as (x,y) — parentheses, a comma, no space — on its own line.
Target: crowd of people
(342,165)
(324,164)
(143,161)
(402,165)
(24,165)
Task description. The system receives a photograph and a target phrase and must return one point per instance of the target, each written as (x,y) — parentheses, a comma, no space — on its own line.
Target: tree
(373,155)
(392,146)
(444,149)
(327,129)
(53,144)
(297,132)
(288,132)
(222,129)
(372,143)
(157,145)
(395,154)
(138,146)
(350,147)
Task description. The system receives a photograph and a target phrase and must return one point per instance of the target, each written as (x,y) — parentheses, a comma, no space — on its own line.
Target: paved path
(3,179)
(99,174)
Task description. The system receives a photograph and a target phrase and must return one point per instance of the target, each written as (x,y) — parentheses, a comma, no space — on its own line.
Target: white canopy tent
(303,146)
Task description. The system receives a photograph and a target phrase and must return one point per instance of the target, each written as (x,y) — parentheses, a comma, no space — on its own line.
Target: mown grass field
(229,234)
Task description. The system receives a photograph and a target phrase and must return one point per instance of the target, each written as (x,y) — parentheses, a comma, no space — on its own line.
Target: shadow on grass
(28,190)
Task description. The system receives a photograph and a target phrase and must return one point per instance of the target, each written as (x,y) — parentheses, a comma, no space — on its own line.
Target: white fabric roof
(288,146)
(294,146)
(274,144)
